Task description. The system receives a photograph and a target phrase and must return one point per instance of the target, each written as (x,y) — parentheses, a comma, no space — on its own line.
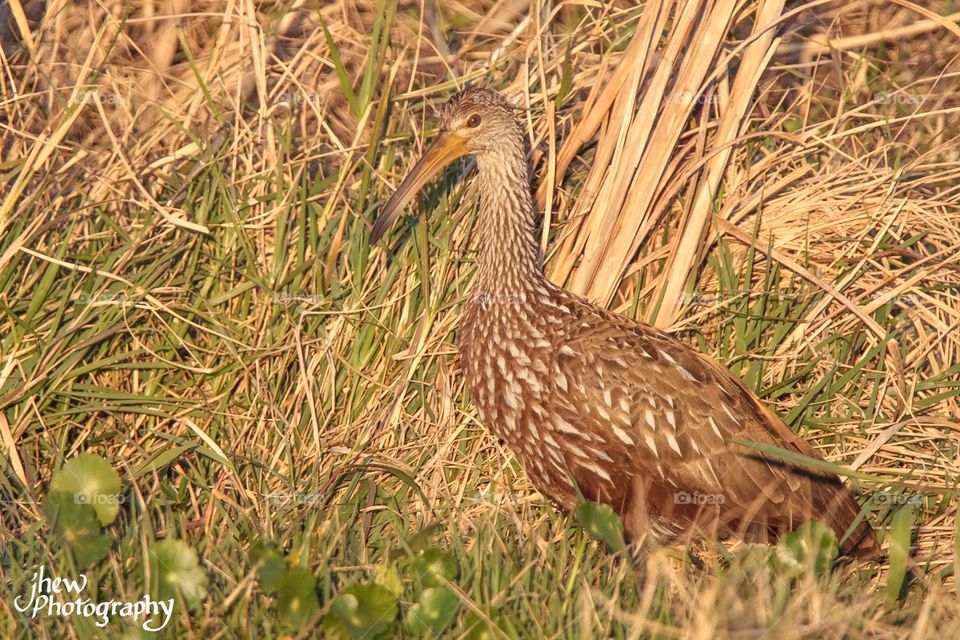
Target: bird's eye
(473,121)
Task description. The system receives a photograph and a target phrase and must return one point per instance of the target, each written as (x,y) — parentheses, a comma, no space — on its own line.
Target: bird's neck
(509,255)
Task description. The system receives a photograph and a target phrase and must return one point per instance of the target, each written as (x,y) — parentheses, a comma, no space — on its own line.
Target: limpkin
(599,406)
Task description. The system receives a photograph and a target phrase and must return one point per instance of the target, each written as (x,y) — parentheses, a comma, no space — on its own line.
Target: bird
(600,407)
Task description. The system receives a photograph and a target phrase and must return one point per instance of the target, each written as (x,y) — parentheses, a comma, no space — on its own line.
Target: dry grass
(186,288)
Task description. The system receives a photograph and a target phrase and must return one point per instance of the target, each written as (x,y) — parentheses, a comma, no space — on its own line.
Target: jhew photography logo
(48,595)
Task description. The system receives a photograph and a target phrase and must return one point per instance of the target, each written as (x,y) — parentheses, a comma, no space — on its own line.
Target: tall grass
(187,291)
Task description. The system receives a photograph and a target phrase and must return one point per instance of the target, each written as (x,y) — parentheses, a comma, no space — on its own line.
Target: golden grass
(184,193)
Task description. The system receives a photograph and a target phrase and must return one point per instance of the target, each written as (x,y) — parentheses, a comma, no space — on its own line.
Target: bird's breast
(505,357)
(511,363)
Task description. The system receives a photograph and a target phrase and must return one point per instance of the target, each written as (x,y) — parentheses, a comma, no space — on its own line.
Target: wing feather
(670,416)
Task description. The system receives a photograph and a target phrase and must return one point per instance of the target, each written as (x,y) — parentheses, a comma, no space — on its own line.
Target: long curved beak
(444,150)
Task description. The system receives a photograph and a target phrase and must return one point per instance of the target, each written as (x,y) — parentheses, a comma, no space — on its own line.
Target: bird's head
(475,121)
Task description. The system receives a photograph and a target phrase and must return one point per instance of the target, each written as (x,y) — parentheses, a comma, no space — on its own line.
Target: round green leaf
(297,599)
(389,576)
(602,523)
(271,563)
(90,479)
(363,611)
(75,525)
(434,612)
(174,569)
(432,567)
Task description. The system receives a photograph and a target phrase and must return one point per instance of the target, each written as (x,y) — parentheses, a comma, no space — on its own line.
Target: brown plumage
(595,403)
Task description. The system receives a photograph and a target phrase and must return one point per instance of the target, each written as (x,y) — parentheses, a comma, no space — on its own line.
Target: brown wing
(670,416)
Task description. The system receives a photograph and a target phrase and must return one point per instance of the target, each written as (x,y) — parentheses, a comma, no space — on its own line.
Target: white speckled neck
(509,255)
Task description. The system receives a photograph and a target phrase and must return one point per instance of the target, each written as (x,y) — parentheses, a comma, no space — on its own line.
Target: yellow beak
(444,150)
